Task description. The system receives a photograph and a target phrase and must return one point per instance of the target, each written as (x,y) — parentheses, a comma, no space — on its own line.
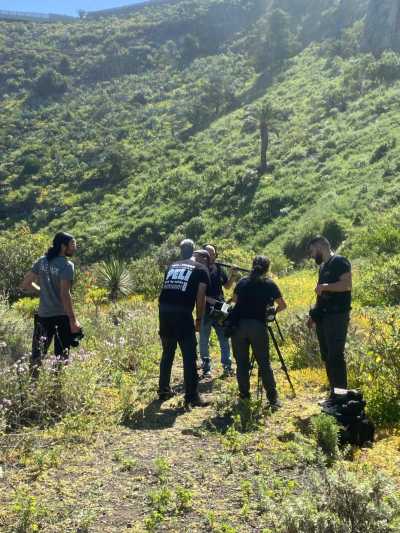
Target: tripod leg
(282,361)
(279,330)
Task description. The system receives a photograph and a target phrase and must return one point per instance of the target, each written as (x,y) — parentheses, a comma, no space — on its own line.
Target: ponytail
(59,239)
(260,267)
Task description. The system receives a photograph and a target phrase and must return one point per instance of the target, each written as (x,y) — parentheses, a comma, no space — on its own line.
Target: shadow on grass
(154,416)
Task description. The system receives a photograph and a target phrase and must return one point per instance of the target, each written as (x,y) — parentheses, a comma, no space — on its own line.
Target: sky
(65,7)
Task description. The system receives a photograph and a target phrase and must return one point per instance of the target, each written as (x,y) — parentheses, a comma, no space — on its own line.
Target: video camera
(220,311)
(270,314)
(75,338)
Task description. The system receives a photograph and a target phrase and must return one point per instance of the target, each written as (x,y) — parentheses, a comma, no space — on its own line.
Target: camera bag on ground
(348,408)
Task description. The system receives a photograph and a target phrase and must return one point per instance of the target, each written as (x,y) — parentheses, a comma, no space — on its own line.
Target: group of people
(197,281)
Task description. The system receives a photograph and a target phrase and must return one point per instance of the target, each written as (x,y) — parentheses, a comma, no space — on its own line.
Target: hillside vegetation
(127,130)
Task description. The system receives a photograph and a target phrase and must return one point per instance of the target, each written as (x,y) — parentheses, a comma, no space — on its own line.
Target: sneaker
(166,395)
(275,405)
(196,402)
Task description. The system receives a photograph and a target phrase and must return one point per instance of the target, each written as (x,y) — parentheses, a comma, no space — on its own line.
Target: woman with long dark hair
(253,295)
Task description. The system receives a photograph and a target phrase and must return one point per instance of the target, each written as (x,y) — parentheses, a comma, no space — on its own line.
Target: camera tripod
(281,359)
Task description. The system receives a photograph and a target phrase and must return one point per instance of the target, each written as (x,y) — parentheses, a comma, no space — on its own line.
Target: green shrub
(340,501)
(325,431)
(146,277)
(305,351)
(377,238)
(19,248)
(15,333)
(374,366)
(50,83)
(379,282)
(27,306)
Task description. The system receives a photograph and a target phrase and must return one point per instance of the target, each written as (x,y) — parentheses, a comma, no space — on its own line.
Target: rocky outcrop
(382,26)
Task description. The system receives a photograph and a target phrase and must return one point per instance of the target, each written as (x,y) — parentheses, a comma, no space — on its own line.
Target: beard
(318,259)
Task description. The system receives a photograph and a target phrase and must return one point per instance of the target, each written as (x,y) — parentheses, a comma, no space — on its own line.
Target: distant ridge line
(39,17)
(122,10)
(54,17)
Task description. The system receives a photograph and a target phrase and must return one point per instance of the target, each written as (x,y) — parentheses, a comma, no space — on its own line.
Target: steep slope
(129,130)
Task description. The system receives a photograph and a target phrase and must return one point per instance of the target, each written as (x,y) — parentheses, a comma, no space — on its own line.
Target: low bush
(325,430)
(374,366)
(340,501)
(147,277)
(18,250)
(15,333)
(304,344)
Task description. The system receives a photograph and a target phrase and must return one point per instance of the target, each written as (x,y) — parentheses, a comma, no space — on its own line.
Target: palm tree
(114,276)
(266,115)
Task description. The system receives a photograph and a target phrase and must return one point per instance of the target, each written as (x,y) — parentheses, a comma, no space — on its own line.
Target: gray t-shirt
(50,276)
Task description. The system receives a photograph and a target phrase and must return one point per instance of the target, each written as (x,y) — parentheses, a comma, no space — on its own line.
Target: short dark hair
(319,239)
(187,247)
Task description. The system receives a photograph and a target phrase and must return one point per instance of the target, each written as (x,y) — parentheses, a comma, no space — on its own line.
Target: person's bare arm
(30,283)
(66,299)
(281,305)
(200,304)
(233,276)
(343,285)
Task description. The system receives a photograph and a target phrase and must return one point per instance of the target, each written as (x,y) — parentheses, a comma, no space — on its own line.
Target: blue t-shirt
(50,275)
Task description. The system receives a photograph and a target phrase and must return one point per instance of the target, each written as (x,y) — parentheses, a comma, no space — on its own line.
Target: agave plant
(114,276)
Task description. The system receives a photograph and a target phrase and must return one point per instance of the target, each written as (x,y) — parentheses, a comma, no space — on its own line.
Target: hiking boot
(165,395)
(196,402)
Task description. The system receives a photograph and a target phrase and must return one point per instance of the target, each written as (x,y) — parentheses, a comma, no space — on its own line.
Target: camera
(219,312)
(270,314)
(75,338)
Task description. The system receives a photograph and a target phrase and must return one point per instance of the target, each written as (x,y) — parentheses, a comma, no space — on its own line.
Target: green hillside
(127,130)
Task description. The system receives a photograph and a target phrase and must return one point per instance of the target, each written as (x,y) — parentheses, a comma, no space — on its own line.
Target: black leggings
(45,328)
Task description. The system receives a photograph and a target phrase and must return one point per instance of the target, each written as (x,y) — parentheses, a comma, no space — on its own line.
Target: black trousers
(254,334)
(332,332)
(45,329)
(177,327)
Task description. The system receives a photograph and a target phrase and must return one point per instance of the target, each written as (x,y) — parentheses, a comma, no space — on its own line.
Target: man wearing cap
(185,285)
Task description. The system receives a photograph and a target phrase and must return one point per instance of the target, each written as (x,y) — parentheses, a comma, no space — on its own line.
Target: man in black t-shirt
(218,281)
(331,312)
(185,284)
(254,294)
